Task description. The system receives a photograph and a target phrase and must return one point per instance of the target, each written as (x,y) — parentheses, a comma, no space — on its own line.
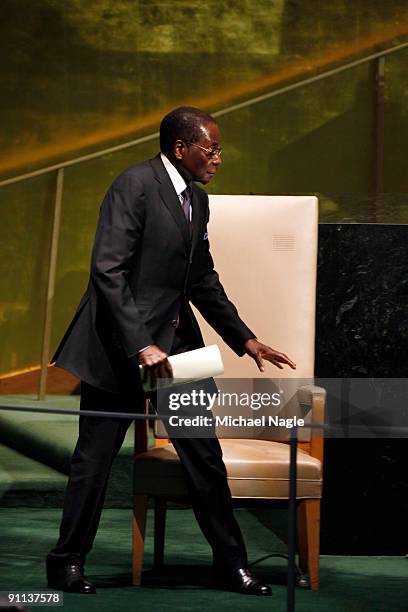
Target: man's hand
(155,364)
(259,352)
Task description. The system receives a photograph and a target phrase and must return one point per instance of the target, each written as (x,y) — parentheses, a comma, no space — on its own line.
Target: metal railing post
(379,133)
(52,270)
(292,522)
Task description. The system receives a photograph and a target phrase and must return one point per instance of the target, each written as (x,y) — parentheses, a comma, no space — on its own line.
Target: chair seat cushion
(255,468)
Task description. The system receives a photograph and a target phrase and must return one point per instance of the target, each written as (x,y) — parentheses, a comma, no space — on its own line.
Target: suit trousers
(100,440)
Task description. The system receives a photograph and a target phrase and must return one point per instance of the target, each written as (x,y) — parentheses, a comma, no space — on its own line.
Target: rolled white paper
(194,365)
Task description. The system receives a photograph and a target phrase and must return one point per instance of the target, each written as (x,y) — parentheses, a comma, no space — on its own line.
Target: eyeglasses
(211,153)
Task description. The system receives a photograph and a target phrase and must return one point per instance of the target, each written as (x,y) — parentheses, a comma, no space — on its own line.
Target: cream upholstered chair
(273,285)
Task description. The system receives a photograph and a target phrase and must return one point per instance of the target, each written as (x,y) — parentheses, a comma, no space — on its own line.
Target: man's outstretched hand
(155,364)
(259,352)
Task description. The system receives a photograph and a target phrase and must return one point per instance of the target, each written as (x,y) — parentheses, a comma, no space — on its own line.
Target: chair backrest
(265,251)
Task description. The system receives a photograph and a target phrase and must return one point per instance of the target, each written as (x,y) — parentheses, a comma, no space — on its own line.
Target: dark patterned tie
(187,193)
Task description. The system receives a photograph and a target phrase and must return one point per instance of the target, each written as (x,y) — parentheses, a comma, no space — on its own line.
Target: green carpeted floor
(34,459)
(352,584)
(24,481)
(45,443)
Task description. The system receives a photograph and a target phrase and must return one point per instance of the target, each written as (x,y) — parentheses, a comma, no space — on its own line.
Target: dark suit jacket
(145,270)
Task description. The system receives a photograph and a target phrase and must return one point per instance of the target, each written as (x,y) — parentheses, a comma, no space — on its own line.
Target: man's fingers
(288,360)
(159,370)
(168,368)
(277,364)
(259,362)
(164,369)
(259,351)
(155,365)
(277,358)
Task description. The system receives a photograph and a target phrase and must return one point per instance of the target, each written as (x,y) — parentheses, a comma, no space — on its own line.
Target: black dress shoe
(242,581)
(68,578)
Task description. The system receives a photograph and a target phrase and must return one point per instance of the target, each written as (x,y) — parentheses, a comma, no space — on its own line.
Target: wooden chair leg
(138,535)
(309,539)
(159,531)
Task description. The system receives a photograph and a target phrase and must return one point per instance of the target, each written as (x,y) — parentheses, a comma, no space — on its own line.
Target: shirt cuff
(143,349)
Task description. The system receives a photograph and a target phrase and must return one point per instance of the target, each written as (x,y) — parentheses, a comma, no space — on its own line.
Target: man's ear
(178,149)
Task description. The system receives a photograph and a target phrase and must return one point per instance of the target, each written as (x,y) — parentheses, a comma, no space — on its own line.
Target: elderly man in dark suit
(150,259)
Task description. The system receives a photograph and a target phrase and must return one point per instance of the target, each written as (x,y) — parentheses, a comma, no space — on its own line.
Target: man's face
(195,161)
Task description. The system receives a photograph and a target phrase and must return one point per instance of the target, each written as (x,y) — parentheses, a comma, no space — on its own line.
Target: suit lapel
(170,199)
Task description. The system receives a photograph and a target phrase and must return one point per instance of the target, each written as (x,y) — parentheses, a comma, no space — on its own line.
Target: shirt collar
(178,182)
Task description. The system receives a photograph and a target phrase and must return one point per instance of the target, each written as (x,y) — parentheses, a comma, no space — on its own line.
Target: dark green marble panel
(362,332)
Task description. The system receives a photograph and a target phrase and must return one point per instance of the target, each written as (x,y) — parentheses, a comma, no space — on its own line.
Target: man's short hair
(185,123)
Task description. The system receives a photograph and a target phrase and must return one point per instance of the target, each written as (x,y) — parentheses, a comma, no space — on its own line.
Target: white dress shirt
(179,183)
